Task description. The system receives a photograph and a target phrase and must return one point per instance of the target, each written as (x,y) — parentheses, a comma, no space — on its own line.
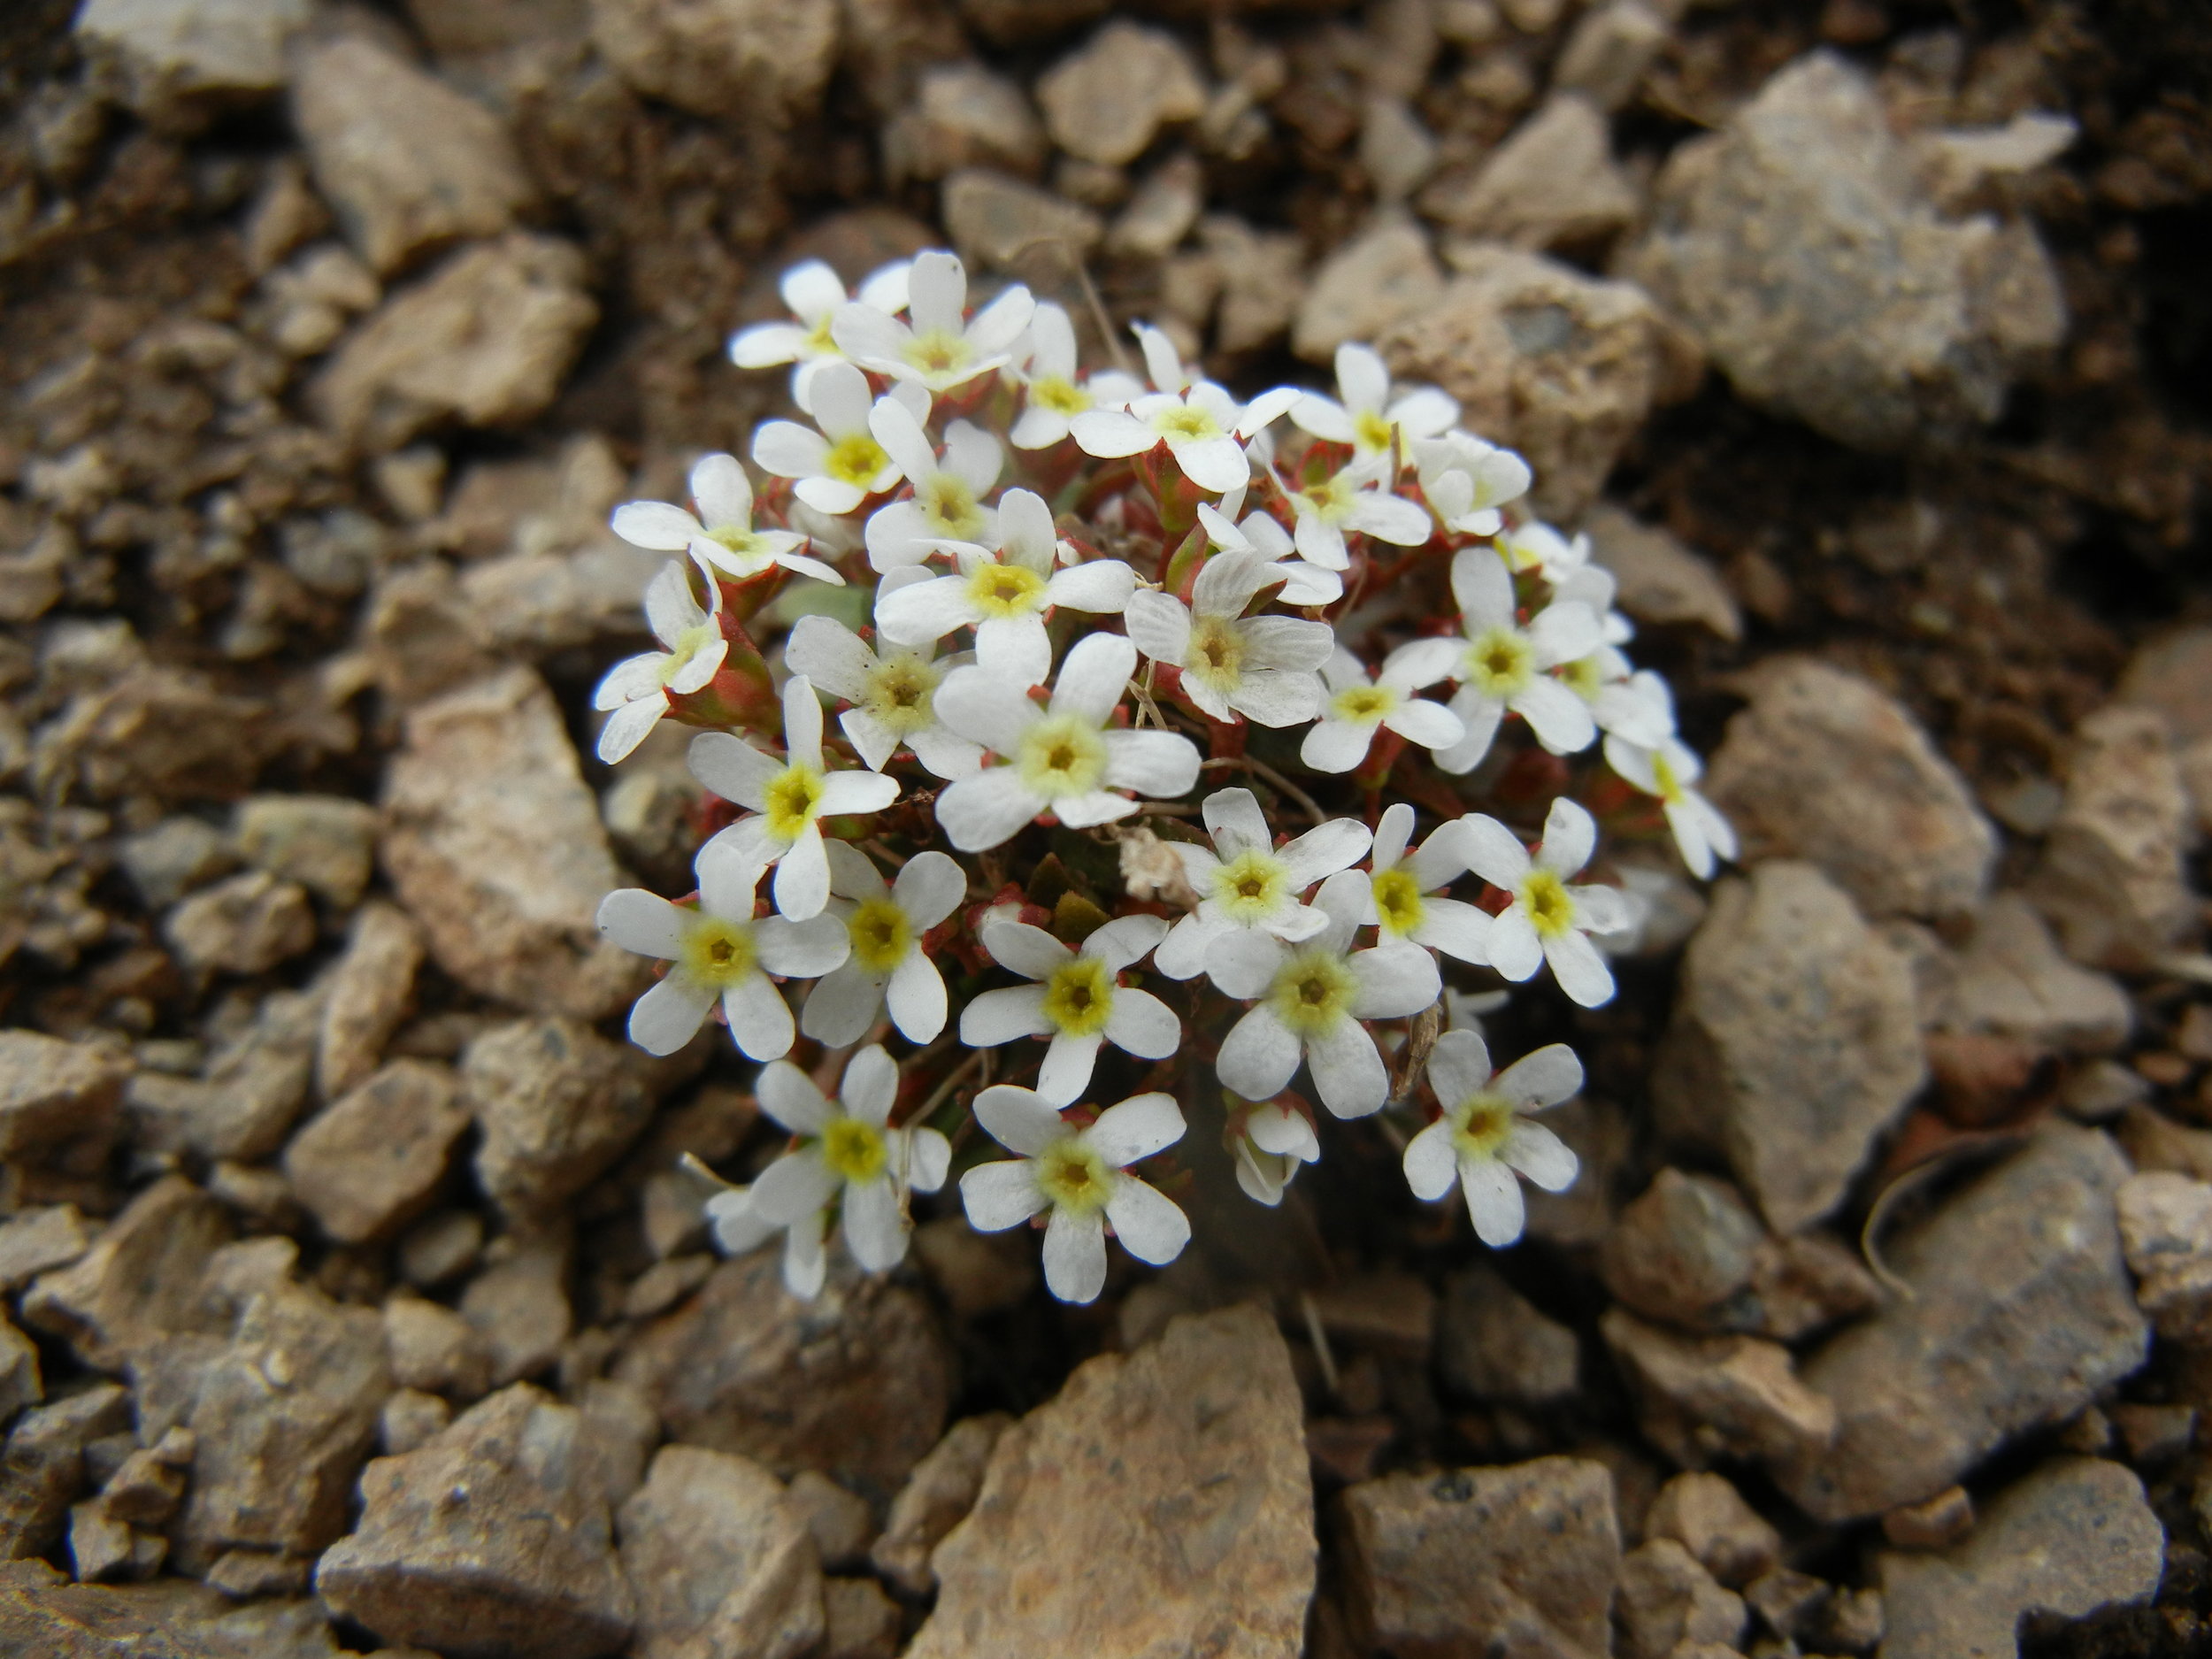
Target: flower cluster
(1083,593)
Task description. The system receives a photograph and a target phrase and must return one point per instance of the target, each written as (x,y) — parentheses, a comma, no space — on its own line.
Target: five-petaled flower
(1357,707)
(948,501)
(788,798)
(718,953)
(847,1152)
(1468,481)
(1246,881)
(814,293)
(1257,533)
(1404,889)
(1547,921)
(637,689)
(1006,598)
(1078,1000)
(1669,768)
(1082,1177)
(721,534)
(1367,416)
(894,695)
(1051,394)
(1308,1001)
(1262,667)
(836,468)
(941,347)
(1202,426)
(1353,499)
(887,969)
(1485,1136)
(1062,758)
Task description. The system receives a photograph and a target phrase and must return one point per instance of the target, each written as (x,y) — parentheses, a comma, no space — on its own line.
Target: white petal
(870,1086)
(1561,721)
(802,950)
(784,449)
(788,1095)
(793,1187)
(1067,1070)
(987,808)
(626,728)
(1018,1119)
(916,997)
(1493,1202)
(1541,1155)
(1430,1163)
(1259,1057)
(733,768)
(845,793)
(1459,1067)
(1580,969)
(1101,586)
(986,707)
(1001,1196)
(760,1021)
(930,888)
(1142,1025)
(1233,818)
(1135,1129)
(644,922)
(1483,587)
(1571,835)
(1242,963)
(1515,950)
(1015,647)
(669,1015)
(1393,830)
(1495,852)
(1336,745)
(1325,418)
(1029,951)
(1324,850)
(1092,677)
(1075,1256)
(1347,1071)
(1148,1223)
(1158,764)
(875,1227)
(655,524)
(1215,464)
(724,493)
(1394,980)
(1274,697)
(1110,432)
(842,1007)
(1458,930)
(1158,626)
(801,887)
(928,1159)
(1431,725)
(1002,1015)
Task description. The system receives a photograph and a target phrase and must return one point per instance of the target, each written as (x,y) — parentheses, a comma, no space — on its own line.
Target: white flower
(1368,418)
(788,797)
(1467,481)
(1078,1000)
(1269,1145)
(1006,599)
(739,1230)
(1499,665)
(638,688)
(1162,361)
(1485,1136)
(1597,588)
(1261,667)
(1547,921)
(1261,535)
(1358,706)
(888,967)
(948,501)
(836,468)
(813,292)
(1308,1001)
(846,1151)
(722,535)
(1081,1176)
(892,693)
(1536,546)
(1201,426)
(1246,881)
(1668,769)
(1404,905)
(1353,499)
(719,953)
(942,348)
(1062,758)
(1053,396)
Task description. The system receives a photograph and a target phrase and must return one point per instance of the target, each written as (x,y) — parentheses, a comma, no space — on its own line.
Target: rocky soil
(355,1298)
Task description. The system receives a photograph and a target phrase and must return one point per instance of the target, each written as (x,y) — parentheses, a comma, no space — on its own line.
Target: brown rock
(1699,1398)
(1685,1251)
(21,1384)
(43,1466)
(2166,1229)
(32,1241)
(410,1420)
(1662,581)
(485,340)
(1519,1559)
(1796,1041)
(1609,50)
(1558,366)
(861,1622)
(1933,1523)
(245,1105)
(1001,223)
(764,60)
(936,1498)
(1824,766)
(556,1103)
(2021,1312)
(2111,879)
(327,843)
(842,1524)
(1389,1313)
(520,1302)
(2073,1537)
(2154,1141)
(495,847)
(1552,182)
(138,1282)
(435,1350)
(2174,676)
(1708,1517)
(523,1562)
(1105,102)
(965,115)
(183,65)
(1493,1343)
(53,1092)
(161,731)
(855,1384)
(369,991)
(246,924)
(1384,276)
(2011,980)
(720,1563)
(1667,1598)
(373,1161)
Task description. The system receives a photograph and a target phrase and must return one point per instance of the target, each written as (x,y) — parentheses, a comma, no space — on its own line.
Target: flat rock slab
(2022,1310)
(2073,1537)
(1160,1505)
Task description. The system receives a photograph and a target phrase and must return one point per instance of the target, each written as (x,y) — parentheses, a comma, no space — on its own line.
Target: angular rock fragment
(1517,1559)
(21,1384)
(327,843)
(52,1091)
(2011,980)
(254,1088)
(1824,767)
(2174,676)
(964,115)
(186,60)
(373,1161)
(1492,1343)
(1684,1251)
(1553,182)
(1796,1041)
(855,1384)
(2111,879)
(1104,102)
(1661,580)
(1699,1398)
(2021,1312)
(1176,1474)
(1668,1599)
(138,1282)
(2166,1229)
(1708,1517)
(2073,1537)
(518,1303)
(936,1497)
(434,1349)
(42,1465)
(1381,277)
(368,991)
(246,924)
(556,1103)
(159,731)
(760,59)
(720,1561)
(32,1241)
(496,849)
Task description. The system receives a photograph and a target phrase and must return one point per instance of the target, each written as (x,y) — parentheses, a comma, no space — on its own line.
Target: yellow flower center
(818,342)
(1364,705)
(1313,992)
(688,644)
(1006,590)
(718,952)
(1060,756)
(1330,499)
(936,352)
(880,934)
(1185,421)
(854,1150)
(1584,677)
(1672,789)
(1480,1125)
(741,540)
(856,459)
(793,797)
(899,692)
(1079,996)
(1549,907)
(1398,901)
(1501,662)
(949,506)
(1062,397)
(1217,651)
(1251,885)
(1370,432)
(1074,1178)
